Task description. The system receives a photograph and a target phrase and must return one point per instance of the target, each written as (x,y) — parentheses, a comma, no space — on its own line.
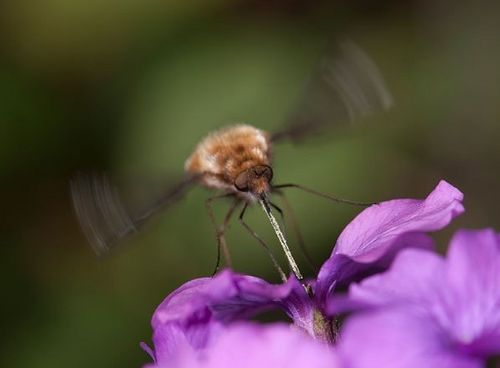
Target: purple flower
(245,344)
(429,311)
(191,317)
(372,239)
(197,314)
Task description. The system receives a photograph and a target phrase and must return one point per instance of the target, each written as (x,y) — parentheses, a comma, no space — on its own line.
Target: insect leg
(259,239)
(296,229)
(282,215)
(319,194)
(219,231)
(294,224)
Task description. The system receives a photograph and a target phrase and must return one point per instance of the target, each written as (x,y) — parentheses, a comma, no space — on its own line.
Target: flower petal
(172,341)
(473,275)
(194,315)
(460,295)
(399,338)
(384,228)
(414,278)
(378,227)
(248,345)
(225,297)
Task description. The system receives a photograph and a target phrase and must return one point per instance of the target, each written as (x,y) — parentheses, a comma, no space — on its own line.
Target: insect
(236,160)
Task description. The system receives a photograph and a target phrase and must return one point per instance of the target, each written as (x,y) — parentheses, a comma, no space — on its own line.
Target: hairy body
(228,158)
(236,160)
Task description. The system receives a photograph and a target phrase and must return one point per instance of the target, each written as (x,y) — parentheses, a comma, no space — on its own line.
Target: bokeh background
(130,86)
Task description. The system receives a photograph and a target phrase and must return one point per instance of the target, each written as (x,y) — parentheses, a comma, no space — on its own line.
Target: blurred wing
(102,214)
(345,86)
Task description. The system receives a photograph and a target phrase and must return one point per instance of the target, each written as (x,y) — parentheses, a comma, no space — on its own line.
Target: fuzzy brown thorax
(235,158)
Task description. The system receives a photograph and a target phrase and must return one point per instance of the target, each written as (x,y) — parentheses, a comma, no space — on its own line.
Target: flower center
(324,328)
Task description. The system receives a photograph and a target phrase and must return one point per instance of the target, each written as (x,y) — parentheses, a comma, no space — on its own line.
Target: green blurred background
(130,86)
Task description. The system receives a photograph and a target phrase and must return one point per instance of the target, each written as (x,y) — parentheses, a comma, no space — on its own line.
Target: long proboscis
(281,237)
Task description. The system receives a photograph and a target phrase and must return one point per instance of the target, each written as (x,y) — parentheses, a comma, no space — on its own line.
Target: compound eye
(263,171)
(268,173)
(241,182)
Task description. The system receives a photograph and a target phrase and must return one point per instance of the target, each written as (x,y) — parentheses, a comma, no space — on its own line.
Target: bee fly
(237,160)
